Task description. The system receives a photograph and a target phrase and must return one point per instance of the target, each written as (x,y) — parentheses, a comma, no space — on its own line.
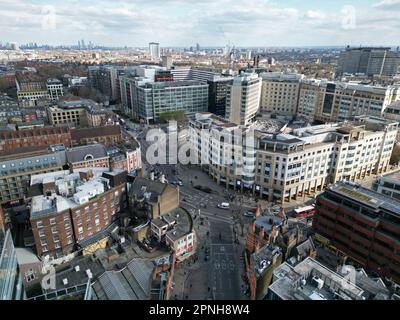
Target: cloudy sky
(207,22)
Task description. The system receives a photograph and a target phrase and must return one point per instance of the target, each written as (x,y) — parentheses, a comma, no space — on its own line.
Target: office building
(17,167)
(243,98)
(363,224)
(148,100)
(324,101)
(154,50)
(11,282)
(55,89)
(368,61)
(72,111)
(285,166)
(389,185)
(217,94)
(310,280)
(280,92)
(75,210)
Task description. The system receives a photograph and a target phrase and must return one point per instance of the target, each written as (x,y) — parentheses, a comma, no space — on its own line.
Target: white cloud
(185,22)
(387,4)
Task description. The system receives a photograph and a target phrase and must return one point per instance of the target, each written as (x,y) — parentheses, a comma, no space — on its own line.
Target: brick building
(75,210)
(107,135)
(364,225)
(11,140)
(270,240)
(89,156)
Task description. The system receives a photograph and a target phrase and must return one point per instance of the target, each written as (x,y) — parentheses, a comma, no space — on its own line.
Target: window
(80,230)
(30,275)
(53,221)
(39,224)
(54,230)
(43,242)
(41,233)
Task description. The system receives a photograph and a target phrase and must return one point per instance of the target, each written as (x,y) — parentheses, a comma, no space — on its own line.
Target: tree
(179,116)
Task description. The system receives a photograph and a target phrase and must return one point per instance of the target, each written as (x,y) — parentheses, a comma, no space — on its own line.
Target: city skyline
(290,23)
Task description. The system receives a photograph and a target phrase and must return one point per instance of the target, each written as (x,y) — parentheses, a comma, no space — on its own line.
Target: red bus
(304,211)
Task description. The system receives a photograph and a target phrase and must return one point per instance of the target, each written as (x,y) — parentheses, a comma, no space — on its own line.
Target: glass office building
(11,286)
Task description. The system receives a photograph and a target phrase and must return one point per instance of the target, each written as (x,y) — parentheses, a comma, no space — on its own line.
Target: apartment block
(280,92)
(363,224)
(76,209)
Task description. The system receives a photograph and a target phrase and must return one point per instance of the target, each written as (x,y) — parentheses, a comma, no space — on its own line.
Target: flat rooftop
(366,196)
(310,280)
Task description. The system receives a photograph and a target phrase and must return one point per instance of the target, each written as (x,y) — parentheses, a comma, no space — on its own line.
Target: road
(223,274)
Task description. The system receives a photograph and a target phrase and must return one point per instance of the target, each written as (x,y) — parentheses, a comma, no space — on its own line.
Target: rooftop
(88,152)
(131,283)
(310,280)
(372,199)
(82,133)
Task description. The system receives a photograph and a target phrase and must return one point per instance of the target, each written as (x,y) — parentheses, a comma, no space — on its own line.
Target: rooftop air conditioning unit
(77,268)
(65,281)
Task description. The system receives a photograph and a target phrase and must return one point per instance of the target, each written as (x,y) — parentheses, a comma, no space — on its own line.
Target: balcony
(358,238)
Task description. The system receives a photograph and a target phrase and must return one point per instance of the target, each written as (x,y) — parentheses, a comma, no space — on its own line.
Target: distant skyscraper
(197,47)
(154,49)
(83,44)
(370,61)
(249,55)
(14,46)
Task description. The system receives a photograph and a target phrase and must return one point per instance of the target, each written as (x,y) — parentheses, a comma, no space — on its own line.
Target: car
(179,183)
(223,205)
(204,189)
(249,214)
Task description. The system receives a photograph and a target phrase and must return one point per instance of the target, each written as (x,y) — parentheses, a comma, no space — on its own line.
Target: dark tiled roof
(78,154)
(82,133)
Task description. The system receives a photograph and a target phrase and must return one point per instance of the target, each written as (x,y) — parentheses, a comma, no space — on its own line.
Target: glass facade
(11,287)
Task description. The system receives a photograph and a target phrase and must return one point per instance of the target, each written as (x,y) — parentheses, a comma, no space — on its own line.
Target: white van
(223,205)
